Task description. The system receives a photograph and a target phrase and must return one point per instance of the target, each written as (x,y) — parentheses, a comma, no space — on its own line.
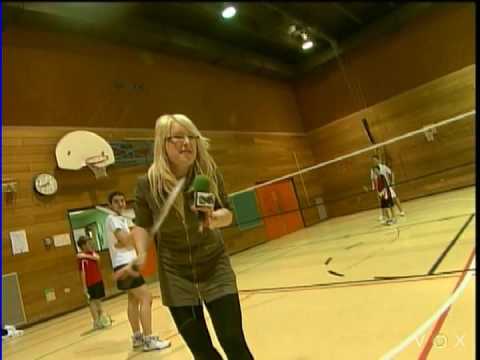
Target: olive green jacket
(192,265)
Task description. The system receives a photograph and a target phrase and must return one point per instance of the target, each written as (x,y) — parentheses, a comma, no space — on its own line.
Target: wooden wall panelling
(74,81)
(244,159)
(433,45)
(28,151)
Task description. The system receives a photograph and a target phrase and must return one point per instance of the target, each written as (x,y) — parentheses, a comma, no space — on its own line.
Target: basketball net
(98,165)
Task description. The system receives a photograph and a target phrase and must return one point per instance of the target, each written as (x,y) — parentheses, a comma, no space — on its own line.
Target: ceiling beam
(387,24)
(155,37)
(348,13)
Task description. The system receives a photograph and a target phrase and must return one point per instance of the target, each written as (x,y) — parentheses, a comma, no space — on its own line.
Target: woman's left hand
(214,219)
(207,216)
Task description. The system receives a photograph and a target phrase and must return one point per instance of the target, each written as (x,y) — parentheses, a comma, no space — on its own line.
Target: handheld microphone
(202,197)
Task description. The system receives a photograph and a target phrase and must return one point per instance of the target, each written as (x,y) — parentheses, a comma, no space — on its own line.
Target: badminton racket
(132,269)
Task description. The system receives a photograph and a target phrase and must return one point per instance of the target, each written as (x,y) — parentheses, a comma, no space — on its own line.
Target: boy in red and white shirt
(384,193)
(88,263)
(387,173)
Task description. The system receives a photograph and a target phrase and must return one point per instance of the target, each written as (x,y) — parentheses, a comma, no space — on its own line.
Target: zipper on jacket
(191,261)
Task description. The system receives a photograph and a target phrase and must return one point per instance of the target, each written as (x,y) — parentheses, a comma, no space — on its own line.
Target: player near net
(387,174)
(385,196)
(193,267)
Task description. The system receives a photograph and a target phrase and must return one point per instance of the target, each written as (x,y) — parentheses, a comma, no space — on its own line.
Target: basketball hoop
(81,148)
(98,165)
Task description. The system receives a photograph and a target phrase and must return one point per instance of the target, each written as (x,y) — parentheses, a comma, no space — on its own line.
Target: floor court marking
(355,283)
(170,336)
(440,258)
(450,245)
(87,335)
(397,233)
(354,245)
(438,325)
(372,254)
(335,273)
(288,249)
(459,288)
(249,293)
(472,270)
(52,322)
(135,354)
(376,230)
(387,229)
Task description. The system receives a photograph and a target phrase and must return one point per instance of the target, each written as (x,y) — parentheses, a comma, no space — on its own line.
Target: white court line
(425,326)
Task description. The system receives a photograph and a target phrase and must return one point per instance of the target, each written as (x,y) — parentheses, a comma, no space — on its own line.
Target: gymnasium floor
(296,306)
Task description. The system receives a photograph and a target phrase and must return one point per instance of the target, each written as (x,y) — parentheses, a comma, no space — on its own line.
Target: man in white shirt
(387,172)
(122,252)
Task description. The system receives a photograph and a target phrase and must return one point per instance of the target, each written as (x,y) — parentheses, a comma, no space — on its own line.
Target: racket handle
(124,272)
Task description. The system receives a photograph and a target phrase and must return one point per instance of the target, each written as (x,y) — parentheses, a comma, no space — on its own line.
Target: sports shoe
(105,320)
(391,221)
(154,343)
(11,332)
(402,213)
(97,324)
(137,341)
(10,328)
(381,219)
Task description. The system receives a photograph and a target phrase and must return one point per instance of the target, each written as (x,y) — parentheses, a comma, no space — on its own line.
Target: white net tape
(361,151)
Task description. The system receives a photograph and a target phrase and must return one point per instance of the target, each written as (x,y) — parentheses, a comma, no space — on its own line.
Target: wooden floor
(296,306)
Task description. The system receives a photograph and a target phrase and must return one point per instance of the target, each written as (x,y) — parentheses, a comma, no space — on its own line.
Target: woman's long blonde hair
(160,176)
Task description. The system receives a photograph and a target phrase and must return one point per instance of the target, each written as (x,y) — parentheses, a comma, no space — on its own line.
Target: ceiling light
(301,35)
(307,45)
(229,12)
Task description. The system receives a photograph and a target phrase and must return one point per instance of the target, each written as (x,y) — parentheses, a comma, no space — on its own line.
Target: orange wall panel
(279,208)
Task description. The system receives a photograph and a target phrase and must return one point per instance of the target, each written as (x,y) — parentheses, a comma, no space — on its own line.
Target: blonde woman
(193,266)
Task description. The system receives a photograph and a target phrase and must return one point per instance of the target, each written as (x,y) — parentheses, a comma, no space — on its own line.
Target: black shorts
(128,282)
(96,291)
(386,203)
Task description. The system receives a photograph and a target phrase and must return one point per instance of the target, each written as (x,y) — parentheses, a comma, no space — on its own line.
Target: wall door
(279,207)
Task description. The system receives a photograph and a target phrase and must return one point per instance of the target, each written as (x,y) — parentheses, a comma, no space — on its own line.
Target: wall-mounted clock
(45,184)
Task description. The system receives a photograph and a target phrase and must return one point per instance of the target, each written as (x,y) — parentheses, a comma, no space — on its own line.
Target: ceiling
(256,40)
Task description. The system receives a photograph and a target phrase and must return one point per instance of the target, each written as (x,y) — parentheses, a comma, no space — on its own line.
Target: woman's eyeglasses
(181,139)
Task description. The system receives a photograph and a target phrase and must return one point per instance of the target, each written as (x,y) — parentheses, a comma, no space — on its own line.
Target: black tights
(227,321)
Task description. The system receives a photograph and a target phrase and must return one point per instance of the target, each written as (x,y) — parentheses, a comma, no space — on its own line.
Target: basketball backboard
(81,148)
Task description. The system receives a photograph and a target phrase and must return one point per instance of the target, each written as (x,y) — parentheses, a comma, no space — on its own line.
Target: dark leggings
(227,321)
